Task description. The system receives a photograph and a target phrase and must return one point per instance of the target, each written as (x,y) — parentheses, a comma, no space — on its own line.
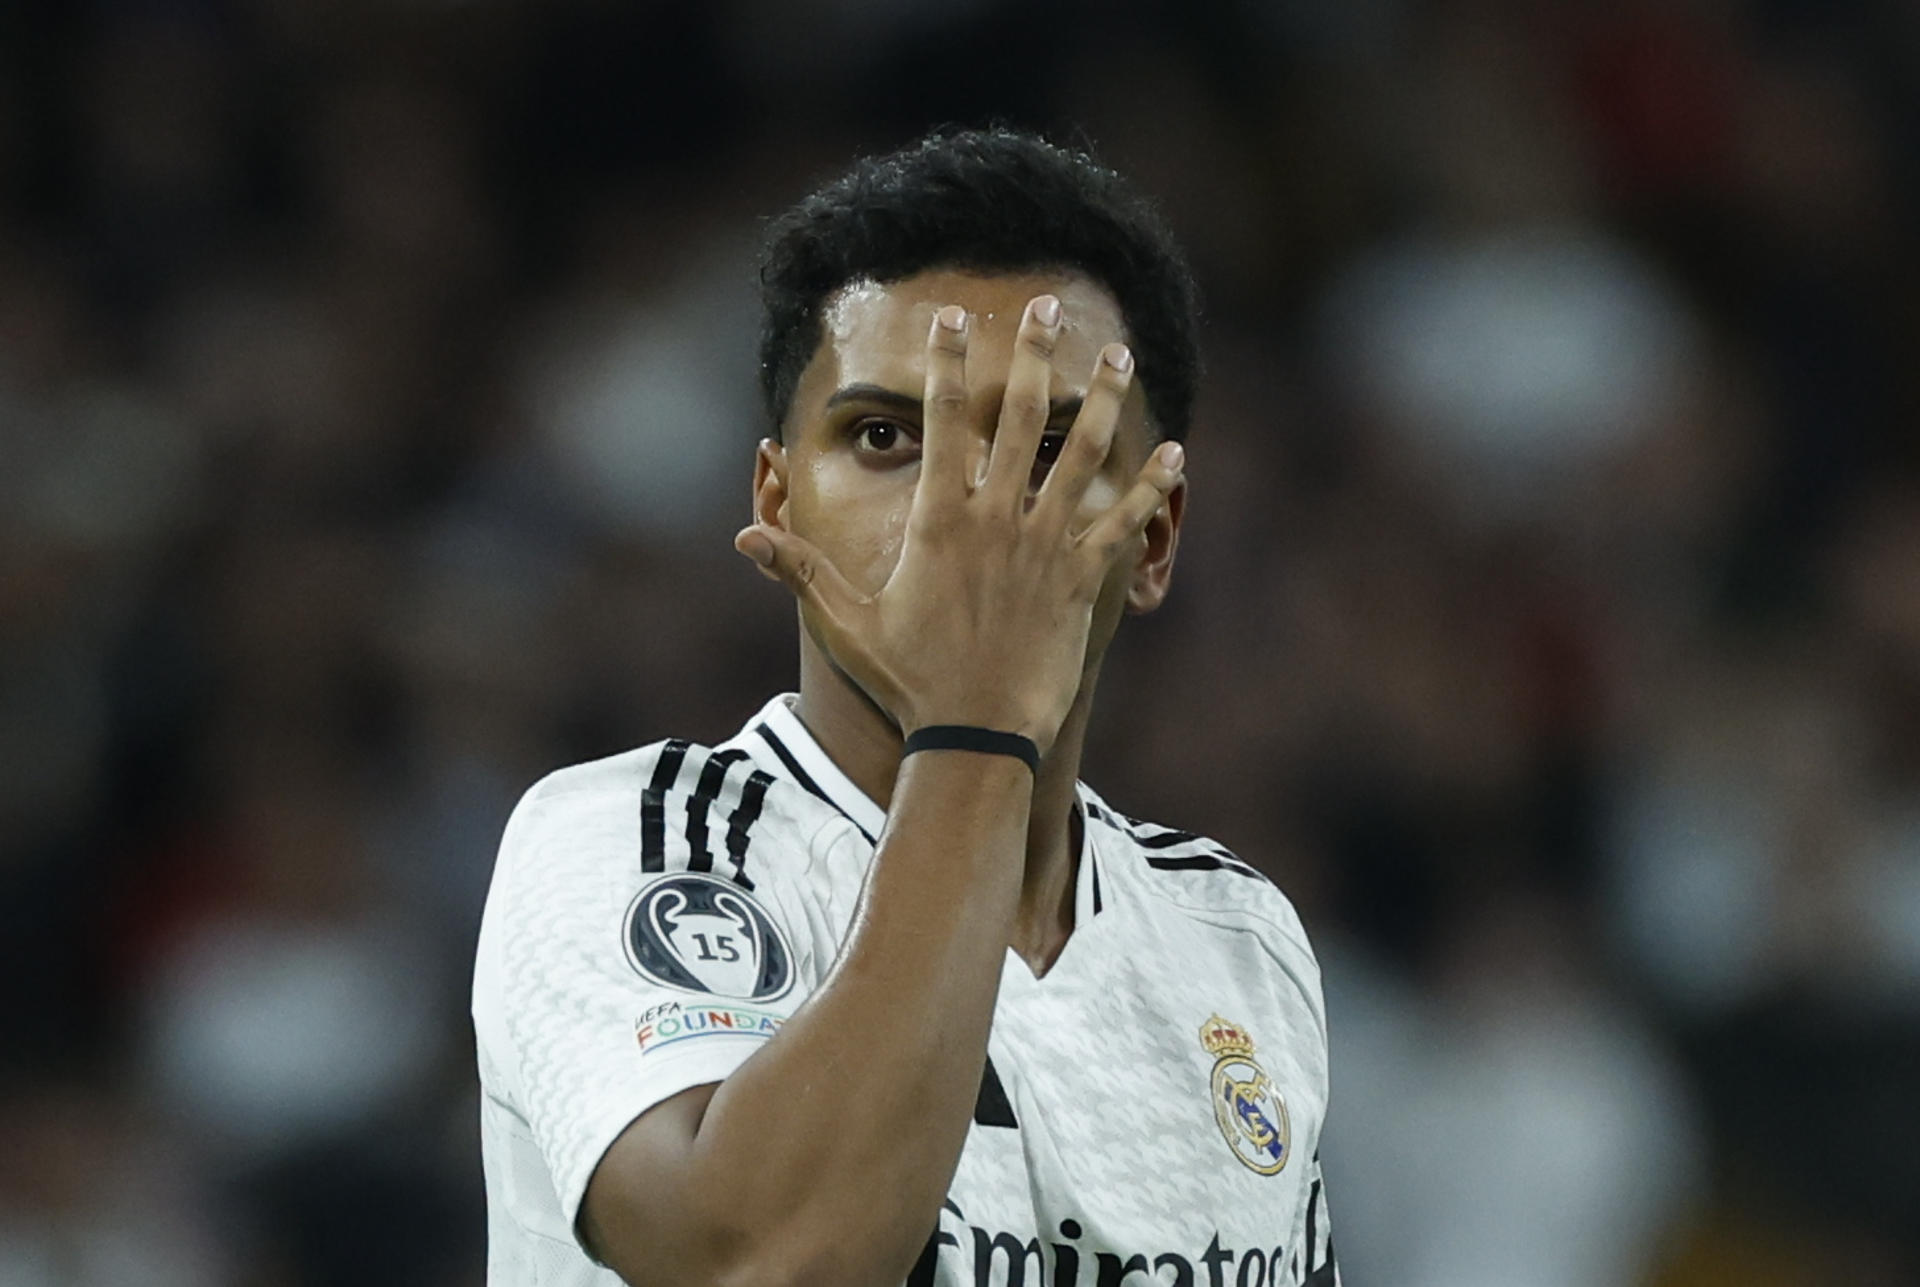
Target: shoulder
(670,805)
(587,841)
(1193,874)
(1199,891)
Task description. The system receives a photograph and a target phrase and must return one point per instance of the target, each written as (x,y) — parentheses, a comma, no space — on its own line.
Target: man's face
(845,477)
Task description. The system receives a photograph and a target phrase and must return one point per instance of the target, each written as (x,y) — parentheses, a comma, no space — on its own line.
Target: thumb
(798,563)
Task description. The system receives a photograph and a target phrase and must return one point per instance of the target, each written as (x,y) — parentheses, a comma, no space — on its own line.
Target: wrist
(976,739)
(1040,731)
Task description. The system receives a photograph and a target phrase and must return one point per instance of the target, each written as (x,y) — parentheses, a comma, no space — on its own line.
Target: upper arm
(633,1197)
(623,973)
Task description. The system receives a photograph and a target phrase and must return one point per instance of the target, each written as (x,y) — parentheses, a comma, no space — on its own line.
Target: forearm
(825,1156)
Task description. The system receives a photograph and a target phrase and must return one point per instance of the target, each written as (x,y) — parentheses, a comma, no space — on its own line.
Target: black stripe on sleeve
(712,777)
(1205,862)
(653,806)
(1167,838)
(800,775)
(1164,839)
(741,821)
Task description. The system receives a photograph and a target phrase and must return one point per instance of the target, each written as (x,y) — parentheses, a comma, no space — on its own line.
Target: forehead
(877,334)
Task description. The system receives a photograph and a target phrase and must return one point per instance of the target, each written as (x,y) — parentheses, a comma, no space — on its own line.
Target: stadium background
(375,383)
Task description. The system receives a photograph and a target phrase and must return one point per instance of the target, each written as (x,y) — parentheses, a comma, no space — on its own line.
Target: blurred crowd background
(376,407)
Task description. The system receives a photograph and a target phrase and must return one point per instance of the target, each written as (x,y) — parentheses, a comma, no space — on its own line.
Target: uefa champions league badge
(1246,1104)
(699,933)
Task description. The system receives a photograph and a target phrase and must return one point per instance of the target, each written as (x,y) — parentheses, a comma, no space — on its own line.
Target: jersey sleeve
(643,936)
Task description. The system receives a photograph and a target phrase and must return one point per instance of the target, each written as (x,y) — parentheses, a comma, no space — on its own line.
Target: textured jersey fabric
(1150,1110)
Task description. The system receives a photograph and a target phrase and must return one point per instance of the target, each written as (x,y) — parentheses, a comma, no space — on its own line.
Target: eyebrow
(1057,408)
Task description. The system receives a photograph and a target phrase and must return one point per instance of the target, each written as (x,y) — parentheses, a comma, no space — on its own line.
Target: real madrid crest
(1246,1103)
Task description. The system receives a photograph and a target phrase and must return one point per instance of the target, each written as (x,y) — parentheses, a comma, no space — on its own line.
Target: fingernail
(1119,357)
(952,317)
(755,546)
(1046,310)
(1172,455)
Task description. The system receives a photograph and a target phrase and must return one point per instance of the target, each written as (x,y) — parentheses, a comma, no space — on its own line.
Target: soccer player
(877,991)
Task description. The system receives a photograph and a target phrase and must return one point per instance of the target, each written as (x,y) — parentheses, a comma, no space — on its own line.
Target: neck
(865,744)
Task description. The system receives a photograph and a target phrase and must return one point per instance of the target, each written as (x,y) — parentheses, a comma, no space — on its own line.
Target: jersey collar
(778,731)
(781,732)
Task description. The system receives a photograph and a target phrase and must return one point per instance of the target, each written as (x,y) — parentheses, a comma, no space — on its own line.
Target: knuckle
(1027,404)
(1038,341)
(1089,447)
(946,399)
(990,516)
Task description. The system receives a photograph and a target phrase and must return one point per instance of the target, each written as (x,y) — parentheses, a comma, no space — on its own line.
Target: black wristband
(965,737)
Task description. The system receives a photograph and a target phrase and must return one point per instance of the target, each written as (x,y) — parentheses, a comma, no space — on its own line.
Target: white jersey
(1150,1109)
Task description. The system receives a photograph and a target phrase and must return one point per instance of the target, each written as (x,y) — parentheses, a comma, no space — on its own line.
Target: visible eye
(881,437)
(1044,457)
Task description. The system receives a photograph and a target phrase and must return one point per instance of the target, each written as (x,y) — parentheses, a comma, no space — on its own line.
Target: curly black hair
(985,201)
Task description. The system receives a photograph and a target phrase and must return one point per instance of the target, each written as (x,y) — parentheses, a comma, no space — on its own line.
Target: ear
(770,490)
(770,484)
(1153,573)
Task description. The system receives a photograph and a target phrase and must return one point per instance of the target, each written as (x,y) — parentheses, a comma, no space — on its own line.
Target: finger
(1024,405)
(1088,441)
(800,565)
(943,438)
(1111,533)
